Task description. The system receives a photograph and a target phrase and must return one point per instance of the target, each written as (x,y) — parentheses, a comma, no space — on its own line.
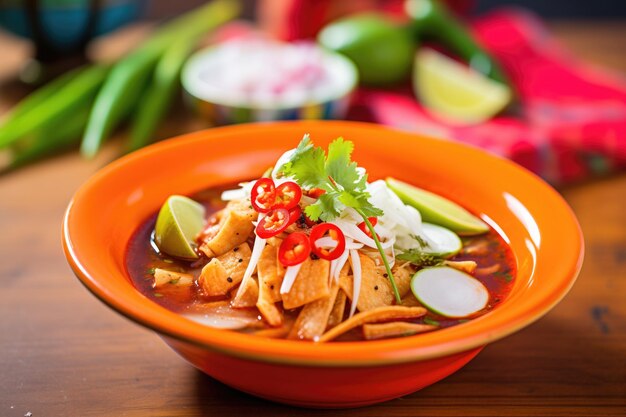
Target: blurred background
(485,72)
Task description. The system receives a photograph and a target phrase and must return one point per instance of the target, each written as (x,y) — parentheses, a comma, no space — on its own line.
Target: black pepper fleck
(235,249)
(272,287)
(229,279)
(386,275)
(240,260)
(376,288)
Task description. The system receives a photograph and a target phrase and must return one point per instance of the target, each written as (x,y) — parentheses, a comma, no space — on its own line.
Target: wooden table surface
(63,353)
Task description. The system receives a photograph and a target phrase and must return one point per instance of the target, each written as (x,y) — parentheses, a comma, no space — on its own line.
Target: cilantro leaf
(325,208)
(419,258)
(339,166)
(307,165)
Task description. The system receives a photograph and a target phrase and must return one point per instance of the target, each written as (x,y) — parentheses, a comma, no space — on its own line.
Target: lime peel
(178,223)
(438,210)
(456,93)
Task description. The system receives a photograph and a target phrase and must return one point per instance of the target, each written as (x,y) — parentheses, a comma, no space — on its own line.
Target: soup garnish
(313,251)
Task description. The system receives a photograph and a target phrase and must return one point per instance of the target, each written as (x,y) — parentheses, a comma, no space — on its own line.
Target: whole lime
(381,49)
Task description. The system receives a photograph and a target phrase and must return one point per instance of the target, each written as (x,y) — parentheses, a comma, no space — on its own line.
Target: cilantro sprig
(343,183)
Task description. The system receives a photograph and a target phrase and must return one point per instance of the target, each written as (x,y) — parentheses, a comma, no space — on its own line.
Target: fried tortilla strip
(372,316)
(410,301)
(214,279)
(468,267)
(375,291)
(402,275)
(269,287)
(248,296)
(234,229)
(163,277)
(346,283)
(220,275)
(269,278)
(313,317)
(235,262)
(394,329)
(311,284)
(274,332)
(270,312)
(338,311)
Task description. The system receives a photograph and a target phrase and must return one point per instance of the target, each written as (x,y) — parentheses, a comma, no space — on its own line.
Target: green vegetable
(157,99)
(381,50)
(123,88)
(343,184)
(438,210)
(49,140)
(420,258)
(118,96)
(431,18)
(55,105)
(432,322)
(30,103)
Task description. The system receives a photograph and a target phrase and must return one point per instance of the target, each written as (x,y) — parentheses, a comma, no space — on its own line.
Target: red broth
(496,270)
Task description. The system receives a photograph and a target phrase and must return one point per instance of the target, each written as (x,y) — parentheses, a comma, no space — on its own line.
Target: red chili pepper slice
(365,229)
(294,249)
(327,230)
(295,214)
(263,195)
(315,192)
(288,195)
(273,223)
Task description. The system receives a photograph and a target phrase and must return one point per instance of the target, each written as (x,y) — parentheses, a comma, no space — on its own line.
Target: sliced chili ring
(315,192)
(294,249)
(263,195)
(273,223)
(295,214)
(365,229)
(327,230)
(288,195)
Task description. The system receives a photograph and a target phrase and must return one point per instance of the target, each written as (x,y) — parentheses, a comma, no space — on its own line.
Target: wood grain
(63,353)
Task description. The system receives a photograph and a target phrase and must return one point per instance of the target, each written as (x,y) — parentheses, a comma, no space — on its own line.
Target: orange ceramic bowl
(543,233)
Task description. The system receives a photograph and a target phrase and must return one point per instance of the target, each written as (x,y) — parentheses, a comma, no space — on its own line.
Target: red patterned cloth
(572,120)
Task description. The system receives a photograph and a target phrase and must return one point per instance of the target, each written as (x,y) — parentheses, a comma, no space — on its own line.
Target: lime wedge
(454,92)
(438,210)
(180,220)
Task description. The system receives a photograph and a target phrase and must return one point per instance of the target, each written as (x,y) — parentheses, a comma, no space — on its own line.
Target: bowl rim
(343,354)
(190,73)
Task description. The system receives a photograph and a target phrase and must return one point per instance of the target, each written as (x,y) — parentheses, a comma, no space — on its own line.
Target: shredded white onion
(284,158)
(236,194)
(257,249)
(351,230)
(326,243)
(290,277)
(341,261)
(355,261)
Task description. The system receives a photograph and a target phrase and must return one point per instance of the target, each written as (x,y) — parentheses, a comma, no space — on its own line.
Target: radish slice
(449,292)
(445,242)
